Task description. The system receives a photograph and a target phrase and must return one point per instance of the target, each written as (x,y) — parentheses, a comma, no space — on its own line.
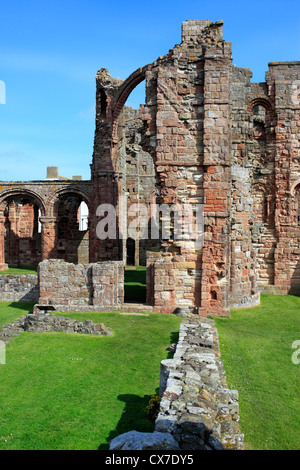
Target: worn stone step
(136,308)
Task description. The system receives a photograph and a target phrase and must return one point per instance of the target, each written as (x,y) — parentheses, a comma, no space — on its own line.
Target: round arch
(260,102)
(24,193)
(72,227)
(125,89)
(55,197)
(294,187)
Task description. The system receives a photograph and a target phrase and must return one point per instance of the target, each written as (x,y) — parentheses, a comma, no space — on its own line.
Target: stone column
(216,180)
(3,265)
(48,237)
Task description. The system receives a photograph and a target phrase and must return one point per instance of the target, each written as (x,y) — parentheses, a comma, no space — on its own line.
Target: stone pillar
(3,265)
(108,284)
(13,235)
(48,237)
(216,180)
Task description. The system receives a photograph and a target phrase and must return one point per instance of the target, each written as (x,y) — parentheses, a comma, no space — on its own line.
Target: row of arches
(25,222)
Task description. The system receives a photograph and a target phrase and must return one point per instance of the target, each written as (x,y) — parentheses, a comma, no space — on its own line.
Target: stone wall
(197,409)
(81,287)
(42,323)
(174,282)
(19,288)
(205,136)
(35,222)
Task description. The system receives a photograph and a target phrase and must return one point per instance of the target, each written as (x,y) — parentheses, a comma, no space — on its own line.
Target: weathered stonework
(80,287)
(43,323)
(196,409)
(206,135)
(19,288)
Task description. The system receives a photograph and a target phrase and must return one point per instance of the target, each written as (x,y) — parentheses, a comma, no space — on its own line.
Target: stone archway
(20,232)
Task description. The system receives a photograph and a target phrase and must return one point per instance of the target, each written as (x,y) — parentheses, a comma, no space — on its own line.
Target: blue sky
(50,53)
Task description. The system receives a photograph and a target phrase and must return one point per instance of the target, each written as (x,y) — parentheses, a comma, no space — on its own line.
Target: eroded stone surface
(206,137)
(196,407)
(134,440)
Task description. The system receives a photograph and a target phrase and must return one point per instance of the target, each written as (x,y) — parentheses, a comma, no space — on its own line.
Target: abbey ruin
(206,136)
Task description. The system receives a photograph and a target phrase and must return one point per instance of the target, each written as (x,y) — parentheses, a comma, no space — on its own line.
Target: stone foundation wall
(44,323)
(81,287)
(19,288)
(197,408)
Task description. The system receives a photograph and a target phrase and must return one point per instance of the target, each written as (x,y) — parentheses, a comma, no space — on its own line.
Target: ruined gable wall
(81,287)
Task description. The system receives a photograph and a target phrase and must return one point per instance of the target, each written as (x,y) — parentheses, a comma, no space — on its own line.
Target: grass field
(10,311)
(64,391)
(20,270)
(256,348)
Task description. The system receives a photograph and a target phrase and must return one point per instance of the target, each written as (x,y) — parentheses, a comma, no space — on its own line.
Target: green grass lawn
(71,391)
(256,349)
(67,391)
(20,270)
(10,311)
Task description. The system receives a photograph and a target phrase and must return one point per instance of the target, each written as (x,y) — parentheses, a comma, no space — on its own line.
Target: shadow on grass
(133,418)
(135,285)
(174,337)
(22,305)
(135,294)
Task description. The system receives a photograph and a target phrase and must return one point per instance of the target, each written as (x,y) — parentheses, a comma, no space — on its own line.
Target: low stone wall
(246,301)
(80,287)
(44,323)
(19,288)
(196,409)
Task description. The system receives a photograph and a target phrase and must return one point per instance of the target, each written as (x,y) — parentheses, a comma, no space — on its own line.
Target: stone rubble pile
(41,323)
(12,330)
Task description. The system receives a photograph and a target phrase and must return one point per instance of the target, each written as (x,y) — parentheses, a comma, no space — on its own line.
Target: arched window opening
(259,122)
(137,96)
(22,240)
(83,215)
(72,228)
(39,223)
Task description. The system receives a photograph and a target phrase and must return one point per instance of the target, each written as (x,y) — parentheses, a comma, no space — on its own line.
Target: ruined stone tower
(205,137)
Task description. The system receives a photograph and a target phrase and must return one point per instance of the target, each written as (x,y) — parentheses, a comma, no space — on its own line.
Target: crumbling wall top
(198,30)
